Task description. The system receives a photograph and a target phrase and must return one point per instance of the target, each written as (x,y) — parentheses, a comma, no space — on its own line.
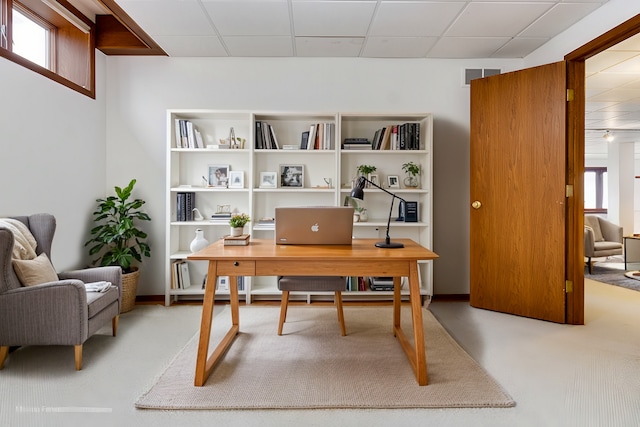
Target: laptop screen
(314,225)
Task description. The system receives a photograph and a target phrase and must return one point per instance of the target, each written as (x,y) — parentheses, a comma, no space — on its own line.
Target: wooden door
(518,196)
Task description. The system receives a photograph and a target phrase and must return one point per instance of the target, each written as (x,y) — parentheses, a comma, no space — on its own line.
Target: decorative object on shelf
(359,208)
(268,180)
(413,172)
(197,216)
(199,242)
(393,181)
(241,240)
(329,182)
(117,239)
(218,175)
(291,176)
(236,179)
(237,223)
(366,171)
(358,193)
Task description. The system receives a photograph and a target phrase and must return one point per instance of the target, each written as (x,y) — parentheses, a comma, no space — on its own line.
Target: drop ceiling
(397,29)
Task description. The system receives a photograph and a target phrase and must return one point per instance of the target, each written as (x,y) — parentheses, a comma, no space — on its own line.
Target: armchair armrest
(589,241)
(611,232)
(109,274)
(49,313)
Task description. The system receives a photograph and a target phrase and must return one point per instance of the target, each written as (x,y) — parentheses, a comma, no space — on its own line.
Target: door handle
(476,205)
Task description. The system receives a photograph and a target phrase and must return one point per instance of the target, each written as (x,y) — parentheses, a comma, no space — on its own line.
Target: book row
(405,136)
(187,135)
(185,204)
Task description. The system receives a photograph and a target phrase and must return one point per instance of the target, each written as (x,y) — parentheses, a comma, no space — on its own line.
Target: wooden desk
(264,258)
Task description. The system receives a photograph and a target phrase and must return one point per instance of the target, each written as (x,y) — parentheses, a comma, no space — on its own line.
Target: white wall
(140,90)
(52,159)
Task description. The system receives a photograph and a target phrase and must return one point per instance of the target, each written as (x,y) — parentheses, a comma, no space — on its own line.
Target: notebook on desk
(314,225)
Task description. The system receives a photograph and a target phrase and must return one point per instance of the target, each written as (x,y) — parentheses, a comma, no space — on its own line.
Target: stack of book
(356,144)
(220,217)
(381,283)
(242,240)
(185,203)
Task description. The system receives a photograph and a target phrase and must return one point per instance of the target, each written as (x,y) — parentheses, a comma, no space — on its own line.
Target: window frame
(72,54)
(599,171)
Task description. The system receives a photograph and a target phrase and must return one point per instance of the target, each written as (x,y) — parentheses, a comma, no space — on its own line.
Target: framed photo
(268,180)
(218,175)
(374,178)
(236,179)
(291,176)
(393,181)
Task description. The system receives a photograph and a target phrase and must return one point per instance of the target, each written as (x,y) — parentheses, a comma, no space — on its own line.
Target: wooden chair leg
(114,325)
(4,351)
(589,264)
(283,310)
(343,328)
(78,352)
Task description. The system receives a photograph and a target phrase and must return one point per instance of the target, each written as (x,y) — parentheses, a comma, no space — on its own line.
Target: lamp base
(390,245)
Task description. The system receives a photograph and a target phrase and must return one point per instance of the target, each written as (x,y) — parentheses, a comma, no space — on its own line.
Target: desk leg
(416,353)
(397,303)
(204,363)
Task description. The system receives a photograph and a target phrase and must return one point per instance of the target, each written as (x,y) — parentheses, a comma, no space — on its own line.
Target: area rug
(612,273)
(312,366)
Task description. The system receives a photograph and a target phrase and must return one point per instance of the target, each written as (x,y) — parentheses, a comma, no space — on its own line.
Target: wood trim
(119,34)
(612,37)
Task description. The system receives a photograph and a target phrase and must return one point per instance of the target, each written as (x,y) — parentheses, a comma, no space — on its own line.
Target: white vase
(236,231)
(199,242)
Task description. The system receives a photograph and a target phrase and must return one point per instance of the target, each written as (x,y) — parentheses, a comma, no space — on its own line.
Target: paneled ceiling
(397,29)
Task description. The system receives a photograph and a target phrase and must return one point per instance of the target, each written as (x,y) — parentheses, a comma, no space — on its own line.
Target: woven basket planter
(129,290)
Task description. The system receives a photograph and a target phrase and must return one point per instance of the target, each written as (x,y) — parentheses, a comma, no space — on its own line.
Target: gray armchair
(602,238)
(55,313)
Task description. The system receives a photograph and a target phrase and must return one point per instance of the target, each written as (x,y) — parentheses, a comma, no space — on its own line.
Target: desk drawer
(236,268)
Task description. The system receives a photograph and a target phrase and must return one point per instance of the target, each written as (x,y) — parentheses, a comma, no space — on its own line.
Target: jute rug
(312,366)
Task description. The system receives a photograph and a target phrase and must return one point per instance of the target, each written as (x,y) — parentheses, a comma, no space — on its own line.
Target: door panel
(518,161)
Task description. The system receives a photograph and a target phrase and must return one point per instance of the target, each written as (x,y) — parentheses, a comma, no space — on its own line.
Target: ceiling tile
(466,47)
(519,47)
(398,47)
(329,46)
(258,46)
(558,18)
(496,19)
(415,19)
(169,18)
(191,45)
(606,59)
(332,18)
(250,18)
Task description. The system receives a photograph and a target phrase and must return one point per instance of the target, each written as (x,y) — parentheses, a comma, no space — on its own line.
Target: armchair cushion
(35,271)
(594,223)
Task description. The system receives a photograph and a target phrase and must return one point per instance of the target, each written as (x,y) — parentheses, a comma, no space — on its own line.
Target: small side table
(636,241)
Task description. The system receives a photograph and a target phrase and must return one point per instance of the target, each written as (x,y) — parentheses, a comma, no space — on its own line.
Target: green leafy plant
(366,169)
(239,220)
(117,239)
(411,169)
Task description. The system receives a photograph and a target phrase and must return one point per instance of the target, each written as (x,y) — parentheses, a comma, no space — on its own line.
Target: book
(185,277)
(242,240)
(304,141)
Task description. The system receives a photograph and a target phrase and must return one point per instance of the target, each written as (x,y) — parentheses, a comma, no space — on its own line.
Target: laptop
(314,225)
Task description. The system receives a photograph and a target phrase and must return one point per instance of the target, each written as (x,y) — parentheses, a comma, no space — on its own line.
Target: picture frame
(393,181)
(268,180)
(291,176)
(218,176)
(374,178)
(236,179)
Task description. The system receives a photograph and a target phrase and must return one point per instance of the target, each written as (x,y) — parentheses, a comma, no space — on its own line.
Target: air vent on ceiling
(478,73)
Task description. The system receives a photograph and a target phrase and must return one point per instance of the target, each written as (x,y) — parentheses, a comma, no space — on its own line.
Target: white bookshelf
(186,166)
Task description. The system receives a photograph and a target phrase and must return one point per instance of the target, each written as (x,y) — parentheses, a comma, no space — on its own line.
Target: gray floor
(559,375)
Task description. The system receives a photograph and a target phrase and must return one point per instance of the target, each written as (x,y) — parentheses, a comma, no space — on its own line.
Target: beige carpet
(312,366)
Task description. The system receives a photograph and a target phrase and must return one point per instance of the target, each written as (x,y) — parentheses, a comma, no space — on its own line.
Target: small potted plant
(237,223)
(118,240)
(365,170)
(413,172)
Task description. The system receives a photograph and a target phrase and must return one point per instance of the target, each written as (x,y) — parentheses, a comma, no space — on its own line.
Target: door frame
(575,159)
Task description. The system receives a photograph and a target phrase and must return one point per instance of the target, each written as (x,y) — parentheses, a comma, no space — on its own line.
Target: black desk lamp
(358,193)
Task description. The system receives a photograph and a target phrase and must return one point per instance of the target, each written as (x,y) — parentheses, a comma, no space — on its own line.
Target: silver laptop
(314,225)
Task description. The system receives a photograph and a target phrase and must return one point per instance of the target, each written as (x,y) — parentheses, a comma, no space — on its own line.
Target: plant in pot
(413,172)
(237,223)
(117,240)
(365,170)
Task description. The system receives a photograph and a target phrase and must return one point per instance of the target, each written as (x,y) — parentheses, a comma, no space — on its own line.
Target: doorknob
(476,205)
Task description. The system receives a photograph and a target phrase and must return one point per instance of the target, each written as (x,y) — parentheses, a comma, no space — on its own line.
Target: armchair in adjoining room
(602,238)
(41,307)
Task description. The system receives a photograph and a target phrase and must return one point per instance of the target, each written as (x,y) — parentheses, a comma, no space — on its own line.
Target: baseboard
(450,297)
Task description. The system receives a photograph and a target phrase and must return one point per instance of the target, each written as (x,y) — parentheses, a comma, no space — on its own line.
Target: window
(52,38)
(595,190)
